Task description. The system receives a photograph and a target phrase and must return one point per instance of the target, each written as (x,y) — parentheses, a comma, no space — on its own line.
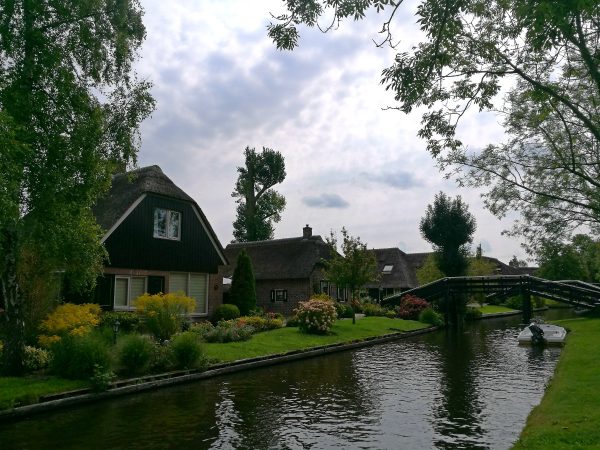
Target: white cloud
(221,86)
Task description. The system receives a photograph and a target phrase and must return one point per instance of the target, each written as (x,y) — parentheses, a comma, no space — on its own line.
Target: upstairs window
(387,269)
(167,224)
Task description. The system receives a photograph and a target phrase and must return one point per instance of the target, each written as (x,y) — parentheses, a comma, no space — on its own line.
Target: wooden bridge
(573,292)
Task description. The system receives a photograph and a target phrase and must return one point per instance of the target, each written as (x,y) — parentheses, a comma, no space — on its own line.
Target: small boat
(542,333)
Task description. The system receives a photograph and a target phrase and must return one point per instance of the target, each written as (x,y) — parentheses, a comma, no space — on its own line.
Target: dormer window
(387,269)
(167,224)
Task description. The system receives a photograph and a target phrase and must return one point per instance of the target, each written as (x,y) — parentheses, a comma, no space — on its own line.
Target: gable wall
(132,244)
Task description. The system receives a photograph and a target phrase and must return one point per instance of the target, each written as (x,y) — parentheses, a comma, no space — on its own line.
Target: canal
(466,390)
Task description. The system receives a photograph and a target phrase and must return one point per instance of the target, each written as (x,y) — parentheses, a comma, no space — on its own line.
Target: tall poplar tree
(258,204)
(70,108)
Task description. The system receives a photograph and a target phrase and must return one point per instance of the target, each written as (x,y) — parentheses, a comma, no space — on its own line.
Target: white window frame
(327,285)
(167,225)
(187,290)
(129,304)
(276,291)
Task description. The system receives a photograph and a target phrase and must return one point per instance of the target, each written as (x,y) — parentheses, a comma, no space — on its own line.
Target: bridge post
(527,309)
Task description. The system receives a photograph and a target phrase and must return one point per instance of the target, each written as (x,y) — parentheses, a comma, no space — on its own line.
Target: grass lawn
(495,309)
(288,339)
(568,417)
(16,391)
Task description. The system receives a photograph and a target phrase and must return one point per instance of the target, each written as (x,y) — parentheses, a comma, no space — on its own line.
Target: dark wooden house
(395,273)
(158,240)
(287,271)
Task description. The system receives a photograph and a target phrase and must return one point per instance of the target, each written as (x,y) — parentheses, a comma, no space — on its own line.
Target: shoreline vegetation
(21,391)
(568,415)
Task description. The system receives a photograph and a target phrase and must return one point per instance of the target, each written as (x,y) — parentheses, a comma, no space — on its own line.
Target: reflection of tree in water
(300,401)
(457,414)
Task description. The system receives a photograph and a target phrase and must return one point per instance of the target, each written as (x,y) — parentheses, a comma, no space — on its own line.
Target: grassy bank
(289,339)
(26,390)
(495,309)
(568,415)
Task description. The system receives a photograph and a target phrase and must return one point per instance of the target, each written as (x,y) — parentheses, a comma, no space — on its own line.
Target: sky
(221,85)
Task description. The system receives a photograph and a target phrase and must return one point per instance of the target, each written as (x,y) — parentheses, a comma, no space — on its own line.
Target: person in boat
(537,334)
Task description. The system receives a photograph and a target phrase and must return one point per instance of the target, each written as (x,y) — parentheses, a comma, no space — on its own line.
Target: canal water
(467,390)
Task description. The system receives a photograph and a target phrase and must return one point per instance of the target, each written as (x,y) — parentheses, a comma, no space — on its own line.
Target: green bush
(432,317)
(135,354)
(226,311)
(35,358)
(292,321)
(243,288)
(75,357)
(538,302)
(372,309)
(162,359)
(344,310)
(229,331)
(187,351)
(164,314)
(128,321)
(472,313)
(514,302)
(390,313)
(316,316)
(102,378)
(410,307)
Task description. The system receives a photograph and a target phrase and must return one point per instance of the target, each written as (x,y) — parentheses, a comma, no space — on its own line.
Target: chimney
(306,232)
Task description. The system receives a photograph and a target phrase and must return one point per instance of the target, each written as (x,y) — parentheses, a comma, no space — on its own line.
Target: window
(279,295)
(342,294)
(194,285)
(325,287)
(127,289)
(387,269)
(167,224)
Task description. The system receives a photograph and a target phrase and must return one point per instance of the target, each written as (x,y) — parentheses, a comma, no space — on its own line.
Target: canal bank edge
(138,385)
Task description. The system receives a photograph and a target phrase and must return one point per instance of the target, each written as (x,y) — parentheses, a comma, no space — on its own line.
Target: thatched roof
(280,259)
(402,274)
(128,187)
(416,260)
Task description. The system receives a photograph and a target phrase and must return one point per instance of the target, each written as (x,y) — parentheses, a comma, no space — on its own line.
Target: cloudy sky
(221,85)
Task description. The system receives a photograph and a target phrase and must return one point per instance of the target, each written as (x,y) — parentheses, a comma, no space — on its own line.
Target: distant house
(286,271)
(395,273)
(158,240)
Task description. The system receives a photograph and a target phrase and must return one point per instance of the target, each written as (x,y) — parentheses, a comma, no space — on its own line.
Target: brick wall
(298,290)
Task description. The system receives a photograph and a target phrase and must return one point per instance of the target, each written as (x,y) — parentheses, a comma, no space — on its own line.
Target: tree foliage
(575,260)
(429,271)
(534,63)
(70,108)
(449,226)
(243,286)
(258,205)
(354,267)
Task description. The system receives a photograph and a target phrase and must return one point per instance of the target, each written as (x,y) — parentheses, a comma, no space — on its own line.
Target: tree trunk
(14,346)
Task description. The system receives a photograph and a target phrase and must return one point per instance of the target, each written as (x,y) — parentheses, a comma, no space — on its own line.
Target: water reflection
(472,389)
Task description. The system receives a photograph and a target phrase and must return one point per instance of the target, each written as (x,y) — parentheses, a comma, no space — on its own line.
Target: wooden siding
(132,244)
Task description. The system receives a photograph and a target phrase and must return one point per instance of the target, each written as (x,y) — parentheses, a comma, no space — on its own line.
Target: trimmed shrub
(229,331)
(410,307)
(292,321)
(68,320)
(226,311)
(243,288)
(472,313)
(35,358)
(372,309)
(75,357)
(344,311)
(432,317)
(102,378)
(128,321)
(135,354)
(316,316)
(260,323)
(514,302)
(187,351)
(390,314)
(164,314)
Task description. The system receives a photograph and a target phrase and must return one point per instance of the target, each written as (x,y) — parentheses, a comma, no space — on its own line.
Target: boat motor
(537,334)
